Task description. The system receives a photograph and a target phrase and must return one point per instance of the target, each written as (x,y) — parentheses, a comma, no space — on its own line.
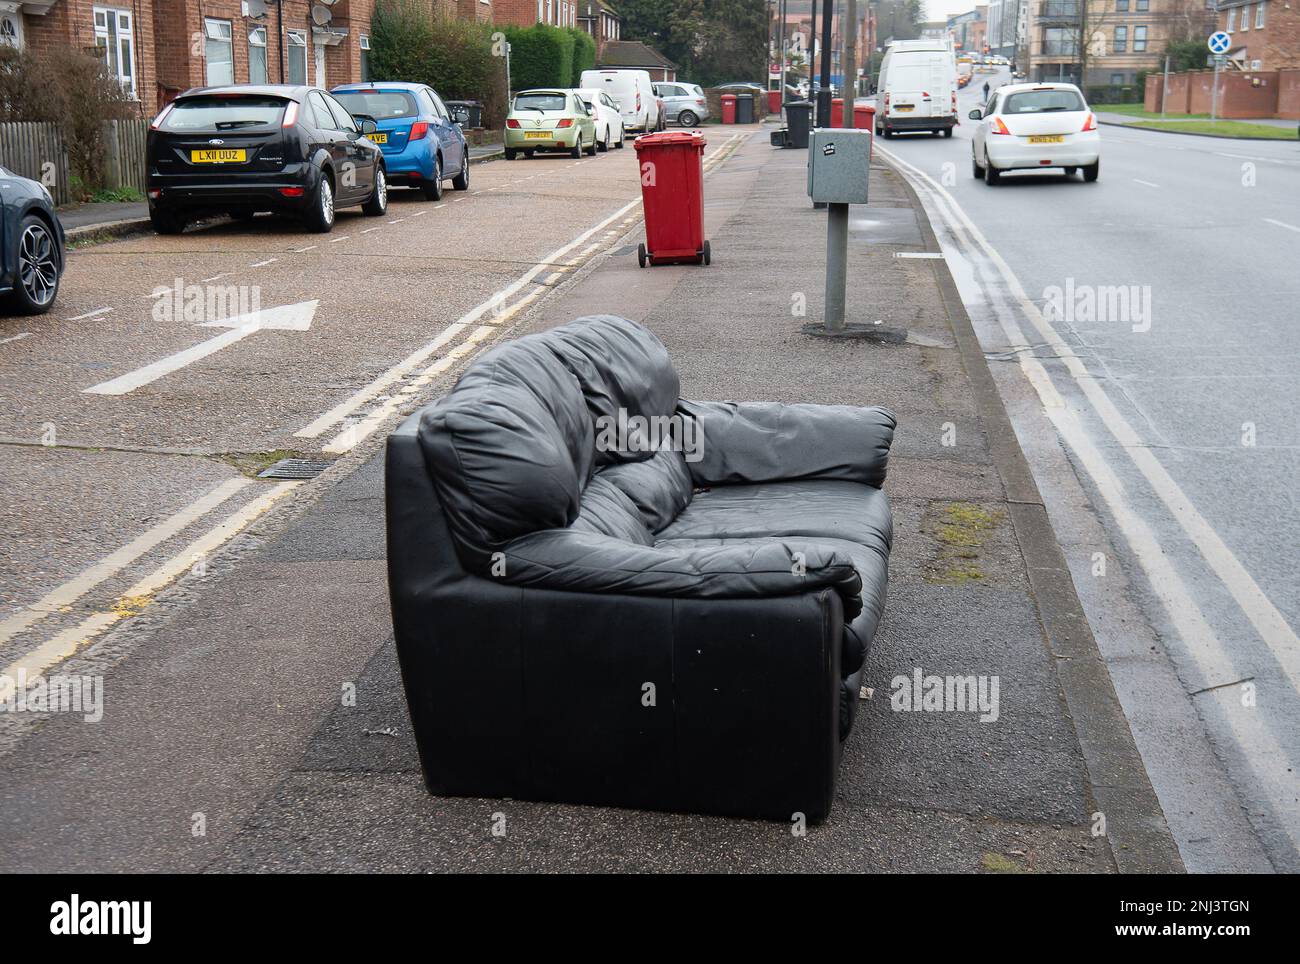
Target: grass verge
(1220,129)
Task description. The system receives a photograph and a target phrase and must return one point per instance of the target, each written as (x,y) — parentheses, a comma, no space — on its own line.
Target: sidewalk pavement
(109,219)
(231,708)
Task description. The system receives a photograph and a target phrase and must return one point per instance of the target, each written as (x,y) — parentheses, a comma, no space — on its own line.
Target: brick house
(1265,33)
(601,21)
(633,54)
(158,48)
(525,13)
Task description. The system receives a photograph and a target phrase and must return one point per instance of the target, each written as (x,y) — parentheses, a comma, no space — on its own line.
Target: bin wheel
(707,252)
(640,255)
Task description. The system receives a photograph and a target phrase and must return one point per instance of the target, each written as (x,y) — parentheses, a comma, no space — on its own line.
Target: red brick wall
(1239,97)
(516,13)
(1288,94)
(70,23)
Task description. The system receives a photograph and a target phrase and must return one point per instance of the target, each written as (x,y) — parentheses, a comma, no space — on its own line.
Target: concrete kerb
(1135,822)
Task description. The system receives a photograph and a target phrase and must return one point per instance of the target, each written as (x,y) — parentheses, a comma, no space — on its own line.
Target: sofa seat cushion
(872,567)
(811,508)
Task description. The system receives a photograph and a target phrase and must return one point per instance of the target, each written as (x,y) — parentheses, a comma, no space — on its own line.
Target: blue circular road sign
(1219,42)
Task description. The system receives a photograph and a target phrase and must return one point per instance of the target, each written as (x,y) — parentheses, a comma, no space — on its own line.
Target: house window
(1245,17)
(1143,6)
(365,56)
(257,55)
(1259,15)
(1121,6)
(296,54)
(1139,39)
(116,44)
(1121,40)
(11,30)
(1116,79)
(1232,19)
(218,52)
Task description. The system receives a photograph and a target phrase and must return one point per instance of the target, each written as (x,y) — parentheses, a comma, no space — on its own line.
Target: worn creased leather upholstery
(545,572)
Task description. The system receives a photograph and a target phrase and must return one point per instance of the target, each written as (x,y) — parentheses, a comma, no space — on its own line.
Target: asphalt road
(1177,416)
(139,411)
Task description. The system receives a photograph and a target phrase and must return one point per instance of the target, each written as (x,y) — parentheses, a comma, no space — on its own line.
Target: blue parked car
(422,145)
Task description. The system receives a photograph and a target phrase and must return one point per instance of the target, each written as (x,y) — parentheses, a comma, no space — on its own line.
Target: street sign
(1219,42)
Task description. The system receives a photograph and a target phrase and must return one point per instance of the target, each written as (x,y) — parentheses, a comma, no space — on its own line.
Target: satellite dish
(320,14)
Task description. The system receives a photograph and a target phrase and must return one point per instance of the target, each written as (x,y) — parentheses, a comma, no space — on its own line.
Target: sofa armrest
(769,441)
(572,560)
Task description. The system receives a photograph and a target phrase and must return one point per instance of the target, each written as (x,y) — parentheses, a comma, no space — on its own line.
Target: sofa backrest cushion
(607,511)
(660,487)
(510,448)
(626,377)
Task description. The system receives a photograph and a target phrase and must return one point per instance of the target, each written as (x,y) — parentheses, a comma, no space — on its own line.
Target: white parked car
(1035,126)
(609,122)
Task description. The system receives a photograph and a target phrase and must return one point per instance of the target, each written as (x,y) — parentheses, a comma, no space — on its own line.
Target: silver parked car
(684,104)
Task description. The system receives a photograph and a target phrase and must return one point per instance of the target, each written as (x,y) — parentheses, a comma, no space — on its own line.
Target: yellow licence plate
(898,109)
(1047,139)
(537,135)
(378,138)
(218,157)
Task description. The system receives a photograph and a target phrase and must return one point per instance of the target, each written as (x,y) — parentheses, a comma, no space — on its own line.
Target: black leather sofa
(581,617)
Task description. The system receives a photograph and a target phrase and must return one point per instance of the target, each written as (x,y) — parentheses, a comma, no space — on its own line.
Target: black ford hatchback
(249,148)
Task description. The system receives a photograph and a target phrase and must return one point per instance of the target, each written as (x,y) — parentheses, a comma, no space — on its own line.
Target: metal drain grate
(295,469)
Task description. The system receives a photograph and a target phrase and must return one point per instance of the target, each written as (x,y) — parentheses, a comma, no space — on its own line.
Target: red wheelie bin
(672,192)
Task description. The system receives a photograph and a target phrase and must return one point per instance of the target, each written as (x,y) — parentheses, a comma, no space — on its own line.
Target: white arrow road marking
(285,318)
(1282,224)
(65,644)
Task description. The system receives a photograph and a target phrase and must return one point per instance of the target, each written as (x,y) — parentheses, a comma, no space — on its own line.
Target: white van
(917,90)
(632,90)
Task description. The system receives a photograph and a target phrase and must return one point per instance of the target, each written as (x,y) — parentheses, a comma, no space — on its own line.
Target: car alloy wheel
(38,268)
(326,201)
(688,118)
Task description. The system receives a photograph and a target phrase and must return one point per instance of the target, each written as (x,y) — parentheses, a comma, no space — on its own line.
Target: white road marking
(90,314)
(924,255)
(1138,180)
(202,281)
(263,264)
(72,590)
(18,337)
(337,240)
(437,206)
(368,230)
(354,434)
(1268,759)
(65,644)
(310,247)
(420,214)
(296,317)
(1282,224)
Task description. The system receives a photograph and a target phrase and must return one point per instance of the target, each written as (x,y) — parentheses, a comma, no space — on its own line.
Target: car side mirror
(368,125)
(976,114)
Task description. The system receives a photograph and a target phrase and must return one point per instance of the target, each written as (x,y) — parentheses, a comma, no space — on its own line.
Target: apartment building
(1118,38)
(1265,33)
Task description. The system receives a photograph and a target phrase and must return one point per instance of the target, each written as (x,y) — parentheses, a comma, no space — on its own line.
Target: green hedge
(584,54)
(540,56)
(1115,93)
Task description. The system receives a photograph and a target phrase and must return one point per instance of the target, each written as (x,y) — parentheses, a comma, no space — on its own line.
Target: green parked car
(549,120)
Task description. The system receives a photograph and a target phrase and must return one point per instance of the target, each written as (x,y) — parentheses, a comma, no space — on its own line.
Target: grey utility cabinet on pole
(839,160)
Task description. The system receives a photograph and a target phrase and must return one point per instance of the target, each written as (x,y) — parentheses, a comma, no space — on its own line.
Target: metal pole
(507,76)
(812,47)
(1164,94)
(837,263)
(824,95)
(850,91)
(1214,95)
(781,53)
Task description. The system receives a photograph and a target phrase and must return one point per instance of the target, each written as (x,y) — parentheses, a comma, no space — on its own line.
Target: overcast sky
(943,9)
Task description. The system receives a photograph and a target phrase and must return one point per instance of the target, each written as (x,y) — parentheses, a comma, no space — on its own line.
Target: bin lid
(668,138)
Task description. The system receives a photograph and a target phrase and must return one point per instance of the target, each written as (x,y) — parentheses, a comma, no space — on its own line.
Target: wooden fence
(36,149)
